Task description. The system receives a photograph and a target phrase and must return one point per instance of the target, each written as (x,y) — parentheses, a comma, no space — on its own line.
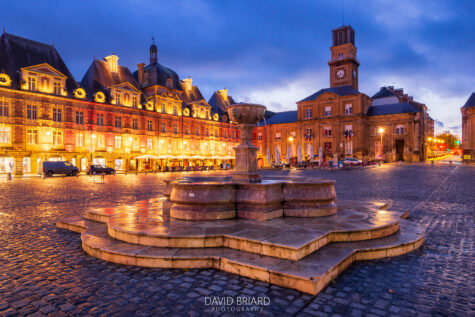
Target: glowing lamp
(380,130)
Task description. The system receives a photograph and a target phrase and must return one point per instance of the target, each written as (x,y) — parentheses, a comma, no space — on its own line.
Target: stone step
(286,238)
(309,275)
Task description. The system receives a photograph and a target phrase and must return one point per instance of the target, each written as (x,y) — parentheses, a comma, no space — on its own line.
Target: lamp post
(381,130)
(291,140)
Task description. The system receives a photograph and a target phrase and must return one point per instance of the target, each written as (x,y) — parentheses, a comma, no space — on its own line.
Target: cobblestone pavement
(43,270)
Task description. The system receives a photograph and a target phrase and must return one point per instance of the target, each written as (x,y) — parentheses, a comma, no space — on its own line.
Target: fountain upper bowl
(246,113)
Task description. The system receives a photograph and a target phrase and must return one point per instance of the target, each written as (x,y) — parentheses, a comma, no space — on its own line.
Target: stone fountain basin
(215,198)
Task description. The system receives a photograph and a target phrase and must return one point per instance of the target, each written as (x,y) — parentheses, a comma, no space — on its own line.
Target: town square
(337,182)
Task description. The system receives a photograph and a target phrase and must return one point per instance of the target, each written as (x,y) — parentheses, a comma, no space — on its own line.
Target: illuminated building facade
(343,121)
(468,128)
(111,117)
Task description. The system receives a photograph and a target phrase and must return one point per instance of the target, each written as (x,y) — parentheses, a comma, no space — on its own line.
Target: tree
(449,139)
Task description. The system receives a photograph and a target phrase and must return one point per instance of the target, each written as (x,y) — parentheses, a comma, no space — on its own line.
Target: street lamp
(291,140)
(381,130)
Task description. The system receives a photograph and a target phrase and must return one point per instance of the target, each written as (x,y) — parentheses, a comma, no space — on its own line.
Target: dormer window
(328,111)
(134,102)
(169,83)
(117,99)
(175,110)
(126,99)
(112,62)
(32,83)
(44,84)
(163,108)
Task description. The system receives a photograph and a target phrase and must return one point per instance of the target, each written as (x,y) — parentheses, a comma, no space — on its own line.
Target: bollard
(9,176)
(450,162)
(43,175)
(431,163)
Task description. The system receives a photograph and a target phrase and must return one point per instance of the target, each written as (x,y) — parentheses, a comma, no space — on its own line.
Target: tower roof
(342,35)
(470,102)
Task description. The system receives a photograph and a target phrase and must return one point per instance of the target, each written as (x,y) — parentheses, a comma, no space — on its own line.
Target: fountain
(286,231)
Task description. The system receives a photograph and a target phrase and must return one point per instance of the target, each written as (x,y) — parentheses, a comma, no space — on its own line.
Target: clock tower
(343,63)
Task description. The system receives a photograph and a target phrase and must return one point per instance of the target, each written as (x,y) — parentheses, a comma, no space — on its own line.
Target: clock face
(354,74)
(340,73)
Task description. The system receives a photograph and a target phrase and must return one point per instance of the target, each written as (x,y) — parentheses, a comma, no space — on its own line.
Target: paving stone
(55,271)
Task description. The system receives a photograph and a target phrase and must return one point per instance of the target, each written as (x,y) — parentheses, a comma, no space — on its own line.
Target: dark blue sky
(271,52)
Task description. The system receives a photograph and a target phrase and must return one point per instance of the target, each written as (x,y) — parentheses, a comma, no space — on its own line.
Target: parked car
(351,161)
(59,167)
(98,169)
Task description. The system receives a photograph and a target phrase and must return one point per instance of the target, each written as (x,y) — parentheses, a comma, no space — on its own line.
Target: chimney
(140,73)
(187,83)
(223,93)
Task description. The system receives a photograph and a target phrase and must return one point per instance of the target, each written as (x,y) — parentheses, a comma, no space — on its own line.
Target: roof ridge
(27,40)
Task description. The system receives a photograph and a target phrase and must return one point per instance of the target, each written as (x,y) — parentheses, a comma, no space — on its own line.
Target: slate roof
(99,78)
(470,102)
(383,92)
(219,104)
(17,52)
(340,91)
(280,118)
(391,109)
(157,74)
(192,95)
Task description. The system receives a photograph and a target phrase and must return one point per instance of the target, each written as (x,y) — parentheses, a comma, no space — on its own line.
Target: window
(4,108)
(100,141)
(79,139)
(207,132)
(259,136)
(118,142)
(175,110)
(308,113)
(57,114)
(399,129)
(187,130)
(308,134)
(163,108)
(118,122)
(57,88)
(100,119)
(327,148)
(32,112)
(349,147)
(26,165)
(149,125)
(348,108)
(225,134)
(32,83)
(197,131)
(327,131)
(348,133)
(4,134)
(57,137)
(135,123)
(32,136)
(216,133)
(278,136)
(328,111)
(175,128)
(234,134)
(163,128)
(117,99)
(134,102)
(79,117)
(135,143)
(149,143)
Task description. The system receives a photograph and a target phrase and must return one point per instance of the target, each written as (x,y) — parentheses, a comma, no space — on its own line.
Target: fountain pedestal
(246,116)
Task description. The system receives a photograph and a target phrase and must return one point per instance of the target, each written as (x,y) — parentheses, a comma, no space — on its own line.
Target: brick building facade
(468,128)
(111,117)
(344,121)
